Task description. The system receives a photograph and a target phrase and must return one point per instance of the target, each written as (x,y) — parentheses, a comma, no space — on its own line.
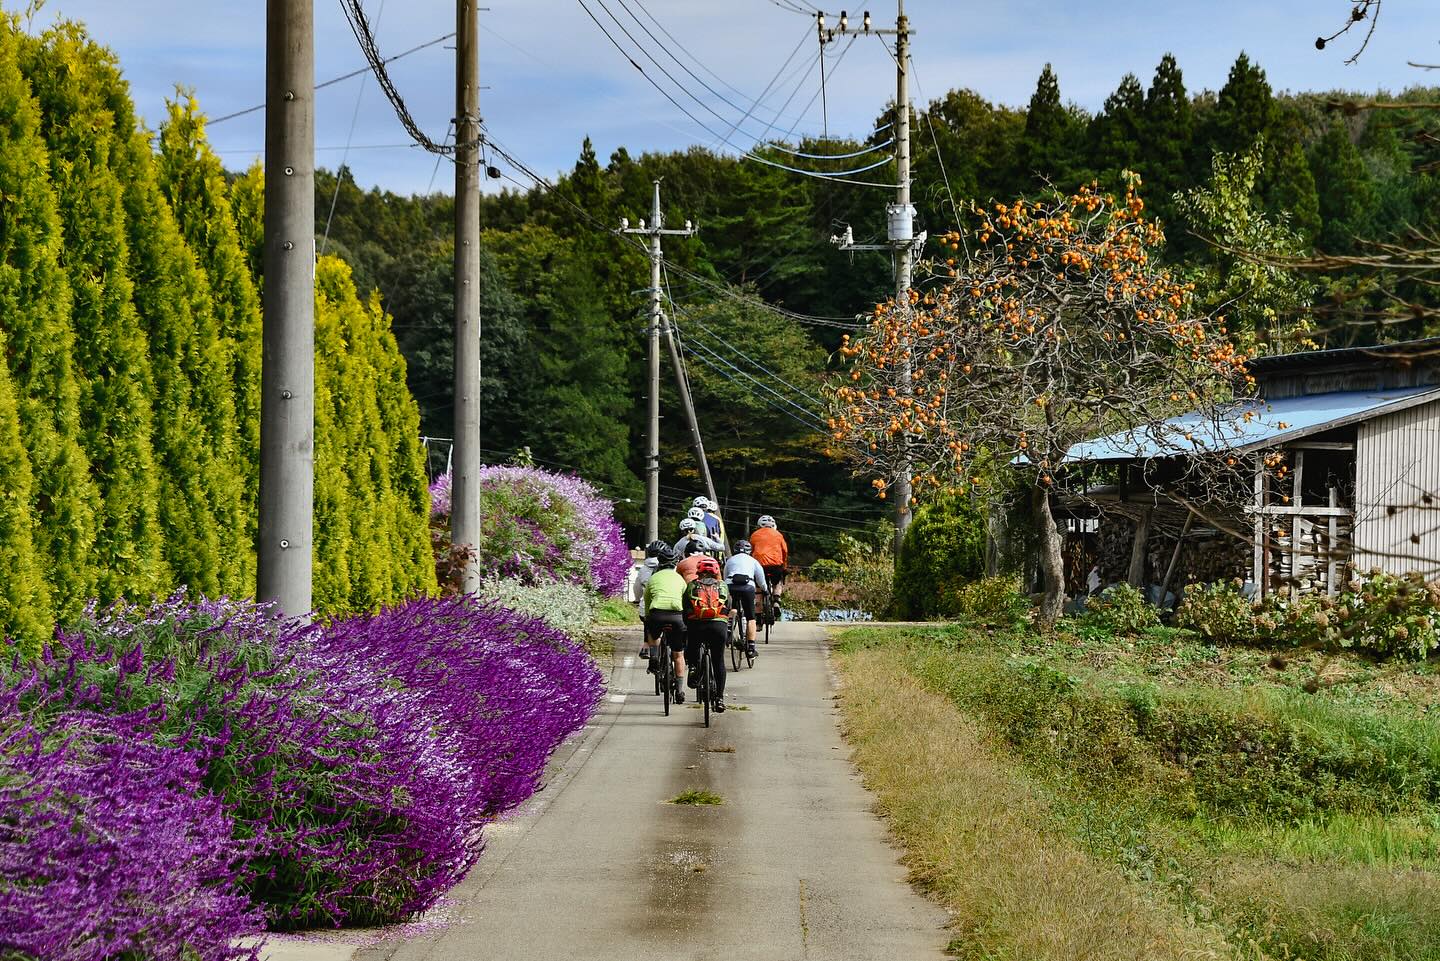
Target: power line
(349,137)
(758,365)
(343,77)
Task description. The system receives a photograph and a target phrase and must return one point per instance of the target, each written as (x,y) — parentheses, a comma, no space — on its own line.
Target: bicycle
(665,677)
(771,614)
(739,646)
(705,680)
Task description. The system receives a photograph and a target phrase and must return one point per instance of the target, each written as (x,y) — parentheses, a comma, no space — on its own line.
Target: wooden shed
(1359,431)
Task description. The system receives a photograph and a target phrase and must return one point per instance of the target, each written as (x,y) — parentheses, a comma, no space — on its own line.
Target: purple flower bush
(108,845)
(355,763)
(540,527)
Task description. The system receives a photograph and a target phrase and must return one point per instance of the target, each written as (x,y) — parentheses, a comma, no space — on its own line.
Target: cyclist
(714,526)
(707,618)
(665,610)
(689,568)
(691,531)
(653,550)
(770,549)
(745,576)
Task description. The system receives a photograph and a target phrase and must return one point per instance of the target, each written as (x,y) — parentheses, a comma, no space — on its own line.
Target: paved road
(792,866)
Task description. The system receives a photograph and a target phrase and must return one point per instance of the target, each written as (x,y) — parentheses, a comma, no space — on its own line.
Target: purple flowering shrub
(540,527)
(358,760)
(109,848)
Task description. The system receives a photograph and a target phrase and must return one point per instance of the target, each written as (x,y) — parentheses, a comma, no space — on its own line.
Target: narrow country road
(597,866)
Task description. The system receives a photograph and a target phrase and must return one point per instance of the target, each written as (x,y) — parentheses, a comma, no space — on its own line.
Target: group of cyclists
(690,588)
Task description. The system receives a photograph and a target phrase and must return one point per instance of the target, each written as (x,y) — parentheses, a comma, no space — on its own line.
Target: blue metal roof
(1269,423)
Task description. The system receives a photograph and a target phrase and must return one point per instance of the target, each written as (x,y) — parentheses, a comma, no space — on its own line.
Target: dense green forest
(130,317)
(563,310)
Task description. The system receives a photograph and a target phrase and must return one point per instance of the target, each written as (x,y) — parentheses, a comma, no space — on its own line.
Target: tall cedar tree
(1165,139)
(202,480)
(1116,131)
(1345,188)
(35,305)
(1047,151)
(1245,110)
(111,349)
(1292,191)
(194,183)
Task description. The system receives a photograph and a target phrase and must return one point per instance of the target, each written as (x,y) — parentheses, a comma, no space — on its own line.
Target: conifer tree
(1048,149)
(193,181)
(35,307)
(1245,111)
(202,476)
(1345,188)
(26,617)
(1166,135)
(1115,131)
(111,350)
(1292,190)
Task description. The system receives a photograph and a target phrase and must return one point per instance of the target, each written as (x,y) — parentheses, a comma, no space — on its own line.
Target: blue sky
(553,78)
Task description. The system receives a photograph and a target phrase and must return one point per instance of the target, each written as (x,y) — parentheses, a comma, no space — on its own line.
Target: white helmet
(696,514)
(711,506)
(766,521)
(701,502)
(689,526)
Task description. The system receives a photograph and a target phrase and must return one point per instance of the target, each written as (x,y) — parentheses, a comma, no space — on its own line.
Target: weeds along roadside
(1293,825)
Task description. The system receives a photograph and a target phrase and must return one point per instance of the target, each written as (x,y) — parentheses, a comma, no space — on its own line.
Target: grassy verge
(616,612)
(1087,797)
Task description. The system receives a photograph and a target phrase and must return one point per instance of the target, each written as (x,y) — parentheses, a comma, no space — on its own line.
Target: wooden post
(1175,557)
(1138,549)
(1297,492)
(1333,568)
(1258,573)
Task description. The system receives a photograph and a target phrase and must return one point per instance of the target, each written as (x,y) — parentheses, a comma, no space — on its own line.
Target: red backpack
(706,602)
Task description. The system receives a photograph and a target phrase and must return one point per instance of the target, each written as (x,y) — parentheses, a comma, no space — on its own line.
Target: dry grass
(979,840)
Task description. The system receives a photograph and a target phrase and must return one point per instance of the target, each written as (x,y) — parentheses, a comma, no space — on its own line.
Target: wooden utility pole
(655,230)
(287,373)
(465,476)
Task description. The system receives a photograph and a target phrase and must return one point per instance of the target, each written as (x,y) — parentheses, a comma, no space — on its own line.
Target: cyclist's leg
(713,635)
(746,596)
(692,651)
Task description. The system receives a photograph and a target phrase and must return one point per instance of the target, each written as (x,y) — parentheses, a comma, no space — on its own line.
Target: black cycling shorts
(657,621)
(744,595)
(774,574)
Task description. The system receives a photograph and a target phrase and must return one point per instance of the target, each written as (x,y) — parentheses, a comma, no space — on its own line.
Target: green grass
(616,612)
(697,797)
(1306,823)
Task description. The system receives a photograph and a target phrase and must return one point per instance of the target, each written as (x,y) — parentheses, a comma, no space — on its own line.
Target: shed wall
(1397,465)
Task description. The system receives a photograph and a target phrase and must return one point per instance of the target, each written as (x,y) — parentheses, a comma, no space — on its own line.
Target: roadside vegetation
(1100,793)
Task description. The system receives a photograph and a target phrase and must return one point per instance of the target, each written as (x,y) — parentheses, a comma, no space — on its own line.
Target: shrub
(566,607)
(360,759)
(1390,615)
(1121,609)
(1217,612)
(539,527)
(825,570)
(1289,617)
(944,544)
(991,600)
(108,845)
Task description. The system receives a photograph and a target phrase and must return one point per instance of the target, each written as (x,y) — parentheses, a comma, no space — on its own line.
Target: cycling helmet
(696,514)
(766,521)
(654,548)
(689,526)
(693,547)
(666,557)
(701,502)
(708,565)
(711,506)
(743,547)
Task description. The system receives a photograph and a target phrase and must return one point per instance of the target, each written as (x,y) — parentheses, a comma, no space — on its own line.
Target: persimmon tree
(1056,325)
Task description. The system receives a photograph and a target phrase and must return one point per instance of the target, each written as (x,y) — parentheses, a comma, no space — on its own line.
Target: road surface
(599,866)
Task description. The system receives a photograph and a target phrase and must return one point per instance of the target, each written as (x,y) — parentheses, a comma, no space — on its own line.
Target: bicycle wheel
(769,615)
(666,674)
(656,673)
(733,639)
(703,688)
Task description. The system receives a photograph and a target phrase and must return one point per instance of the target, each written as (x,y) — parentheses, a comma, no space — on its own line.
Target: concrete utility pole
(683,385)
(900,219)
(465,476)
(655,231)
(287,373)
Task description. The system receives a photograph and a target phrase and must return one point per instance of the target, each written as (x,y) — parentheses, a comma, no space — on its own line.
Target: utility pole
(287,372)
(655,231)
(900,222)
(683,385)
(465,478)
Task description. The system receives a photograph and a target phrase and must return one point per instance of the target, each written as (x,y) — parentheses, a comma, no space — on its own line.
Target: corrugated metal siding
(1397,463)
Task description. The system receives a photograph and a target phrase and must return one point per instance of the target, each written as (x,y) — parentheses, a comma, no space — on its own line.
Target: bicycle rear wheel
(733,638)
(704,687)
(769,615)
(666,674)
